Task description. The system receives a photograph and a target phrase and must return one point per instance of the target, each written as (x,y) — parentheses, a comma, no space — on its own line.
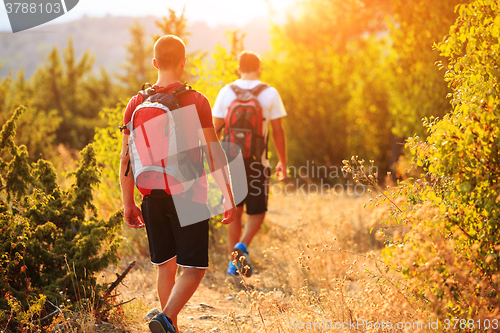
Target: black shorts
(167,239)
(258,188)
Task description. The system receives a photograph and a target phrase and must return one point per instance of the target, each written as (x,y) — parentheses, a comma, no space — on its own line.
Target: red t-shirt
(205,116)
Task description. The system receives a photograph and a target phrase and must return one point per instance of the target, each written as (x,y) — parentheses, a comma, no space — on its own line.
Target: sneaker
(161,324)
(151,314)
(244,266)
(232,269)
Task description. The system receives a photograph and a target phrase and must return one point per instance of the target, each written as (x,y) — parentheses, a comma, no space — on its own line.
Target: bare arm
(280,145)
(220,170)
(132,213)
(218,125)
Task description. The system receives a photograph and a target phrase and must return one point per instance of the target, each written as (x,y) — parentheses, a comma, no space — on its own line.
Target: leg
(234,229)
(166,280)
(182,291)
(252,227)
(256,201)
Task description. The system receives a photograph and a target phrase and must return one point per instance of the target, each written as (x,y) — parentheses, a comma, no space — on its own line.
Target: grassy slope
(296,226)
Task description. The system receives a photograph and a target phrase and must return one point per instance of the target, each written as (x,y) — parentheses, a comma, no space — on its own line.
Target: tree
(329,65)
(211,72)
(39,142)
(323,25)
(416,88)
(69,87)
(138,67)
(173,25)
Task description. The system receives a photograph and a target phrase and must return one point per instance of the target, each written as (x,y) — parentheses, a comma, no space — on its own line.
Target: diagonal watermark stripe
(64,6)
(26,14)
(165,152)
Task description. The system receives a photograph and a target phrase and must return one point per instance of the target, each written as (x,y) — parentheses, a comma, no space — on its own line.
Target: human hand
(133,216)
(281,171)
(229,211)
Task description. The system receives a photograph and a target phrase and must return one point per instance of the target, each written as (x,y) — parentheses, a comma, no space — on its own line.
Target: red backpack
(243,123)
(158,156)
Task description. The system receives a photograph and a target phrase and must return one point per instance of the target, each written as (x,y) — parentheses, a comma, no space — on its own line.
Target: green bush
(450,252)
(51,241)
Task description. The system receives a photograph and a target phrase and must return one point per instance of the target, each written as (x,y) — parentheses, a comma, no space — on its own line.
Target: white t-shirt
(269,99)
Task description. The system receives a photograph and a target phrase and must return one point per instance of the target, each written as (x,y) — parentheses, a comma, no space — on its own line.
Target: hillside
(105,37)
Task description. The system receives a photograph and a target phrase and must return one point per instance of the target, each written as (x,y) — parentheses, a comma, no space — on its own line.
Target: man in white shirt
(257,169)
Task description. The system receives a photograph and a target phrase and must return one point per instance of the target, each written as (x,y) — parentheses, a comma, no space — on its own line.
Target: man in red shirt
(172,244)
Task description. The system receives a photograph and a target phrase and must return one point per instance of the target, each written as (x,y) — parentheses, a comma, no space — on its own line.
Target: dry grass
(319,267)
(316,257)
(317,263)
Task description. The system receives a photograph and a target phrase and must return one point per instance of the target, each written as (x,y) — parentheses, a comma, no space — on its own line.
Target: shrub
(450,255)
(51,241)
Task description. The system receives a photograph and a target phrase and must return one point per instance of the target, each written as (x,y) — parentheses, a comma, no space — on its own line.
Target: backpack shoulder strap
(182,89)
(243,93)
(240,92)
(260,88)
(146,92)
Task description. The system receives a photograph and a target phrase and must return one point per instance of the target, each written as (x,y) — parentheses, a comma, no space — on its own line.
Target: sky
(213,12)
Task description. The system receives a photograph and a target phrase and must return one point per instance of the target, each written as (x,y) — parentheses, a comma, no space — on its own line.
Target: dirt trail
(206,311)
(289,224)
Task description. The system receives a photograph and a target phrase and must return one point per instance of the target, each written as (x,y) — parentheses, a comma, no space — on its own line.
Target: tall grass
(320,267)
(319,262)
